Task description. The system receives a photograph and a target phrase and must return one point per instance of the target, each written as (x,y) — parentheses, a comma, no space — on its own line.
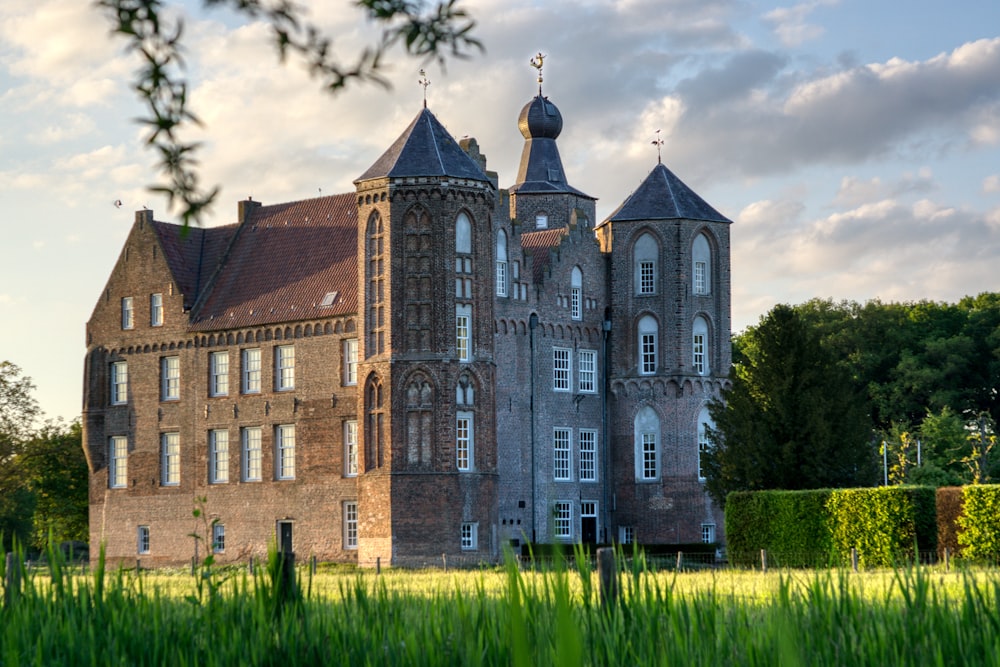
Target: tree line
(43,470)
(840,394)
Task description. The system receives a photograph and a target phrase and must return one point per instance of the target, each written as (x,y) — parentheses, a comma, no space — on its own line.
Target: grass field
(505,616)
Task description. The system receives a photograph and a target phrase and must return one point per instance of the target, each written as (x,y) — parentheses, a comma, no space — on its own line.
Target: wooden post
(444,561)
(608,573)
(378,565)
(313,565)
(138,566)
(12,585)
(763,560)
(947,559)
(680,560)
(854,558)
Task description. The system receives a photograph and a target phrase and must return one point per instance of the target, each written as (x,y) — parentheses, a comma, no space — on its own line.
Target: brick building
(427,365)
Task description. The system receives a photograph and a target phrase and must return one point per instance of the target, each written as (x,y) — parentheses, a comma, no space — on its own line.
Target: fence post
(680,560)
(854,558)
(763,560)
(608,572)
(313,565)
(444,561)
(378,565)
(947,559)
(12,585)
(138,566)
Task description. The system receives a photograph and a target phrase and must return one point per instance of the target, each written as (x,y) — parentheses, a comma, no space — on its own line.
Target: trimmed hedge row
(979,523)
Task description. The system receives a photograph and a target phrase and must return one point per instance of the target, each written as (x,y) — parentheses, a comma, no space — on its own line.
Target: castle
(427,365)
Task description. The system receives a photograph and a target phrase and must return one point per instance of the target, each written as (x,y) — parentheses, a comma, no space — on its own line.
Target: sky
(855,144)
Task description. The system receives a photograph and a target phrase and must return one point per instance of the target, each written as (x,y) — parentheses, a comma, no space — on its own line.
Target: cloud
(991,183)
(789,23)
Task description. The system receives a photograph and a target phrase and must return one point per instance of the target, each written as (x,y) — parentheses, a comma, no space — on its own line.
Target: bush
(949,509)
(979,528)
(791,525)
(885,524)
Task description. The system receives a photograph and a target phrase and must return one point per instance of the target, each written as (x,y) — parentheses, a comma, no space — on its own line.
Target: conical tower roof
(425,149)
(663,196)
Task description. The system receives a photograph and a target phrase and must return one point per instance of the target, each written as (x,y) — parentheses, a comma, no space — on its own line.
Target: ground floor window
(708,533)
(218,538)
(626,534)
(351,524)
(470,536)
(562,516)
(143,540)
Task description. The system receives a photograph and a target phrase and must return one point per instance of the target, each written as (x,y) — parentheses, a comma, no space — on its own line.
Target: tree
(444,28)
(54,470)
(792,418)
(18,410)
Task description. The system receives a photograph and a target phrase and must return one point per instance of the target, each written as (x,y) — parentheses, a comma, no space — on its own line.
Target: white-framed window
(541,221)
(699,351)
(562,369)
(464,441)
(251,442)
(218,538)
(128,313)
(470,536)
(218,456)
(708,533)
(644,258)
(350,361)
(170,378)
(284,367)
(626,534)
(588,455)
(562,520)
(218,374)
(463,328)
(705,424)
(251,370)
(562,443)
(701,259)
(587,371)
(576,293)
(648,334)
(119,382)
(646,433)
(350,524)
(170,458)
(351,448)
(142,540)
(284,442)
(501,263)
(118,462)
(155,310)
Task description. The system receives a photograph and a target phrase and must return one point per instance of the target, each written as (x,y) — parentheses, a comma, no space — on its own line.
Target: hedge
(949,508)
(885,524)
(979,522)
(791,525)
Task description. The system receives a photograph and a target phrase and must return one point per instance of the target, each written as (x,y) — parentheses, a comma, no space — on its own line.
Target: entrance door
(588,522)
(285,536)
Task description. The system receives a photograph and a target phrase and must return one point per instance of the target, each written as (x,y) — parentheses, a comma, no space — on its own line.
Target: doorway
(588,522)
(285,537)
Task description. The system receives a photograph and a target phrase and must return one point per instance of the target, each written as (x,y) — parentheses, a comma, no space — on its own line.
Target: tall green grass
(504,617)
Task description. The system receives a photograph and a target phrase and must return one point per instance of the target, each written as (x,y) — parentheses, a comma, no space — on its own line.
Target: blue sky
(855,145)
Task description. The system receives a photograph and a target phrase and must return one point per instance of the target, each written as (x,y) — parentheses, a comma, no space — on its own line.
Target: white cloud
(991,183)
(790,22)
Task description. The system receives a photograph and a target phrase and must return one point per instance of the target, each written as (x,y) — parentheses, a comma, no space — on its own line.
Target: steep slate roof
(283,261)
(538,244)
(541,169)
(663,196)
(425,149)
(192,255)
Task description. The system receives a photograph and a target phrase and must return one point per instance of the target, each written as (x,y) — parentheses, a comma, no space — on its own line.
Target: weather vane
(537,63)
(658,142)
(424,81)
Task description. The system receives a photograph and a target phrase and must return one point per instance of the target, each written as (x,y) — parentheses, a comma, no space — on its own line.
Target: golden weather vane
(658,142)
(424,81)
(537,63)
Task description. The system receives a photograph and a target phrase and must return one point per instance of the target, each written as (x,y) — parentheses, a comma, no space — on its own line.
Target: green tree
(792,419)
(18,411)
(427,32)
(54,469)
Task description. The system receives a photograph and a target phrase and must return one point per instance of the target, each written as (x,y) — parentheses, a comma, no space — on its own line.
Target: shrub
(979,529)
(885,524)
(949,509)
(791,525)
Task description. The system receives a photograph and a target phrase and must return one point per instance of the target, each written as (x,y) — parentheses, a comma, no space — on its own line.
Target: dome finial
(658,142)
(537,63)
(424,81)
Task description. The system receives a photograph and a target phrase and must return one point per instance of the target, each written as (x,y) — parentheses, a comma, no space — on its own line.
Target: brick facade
(491,404)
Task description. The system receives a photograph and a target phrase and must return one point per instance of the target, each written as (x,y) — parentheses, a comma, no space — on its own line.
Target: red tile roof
(192,253)
(538,245)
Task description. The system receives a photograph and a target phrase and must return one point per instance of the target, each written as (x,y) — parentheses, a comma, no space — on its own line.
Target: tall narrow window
(284,367)
(218,538)
(648,334)
(562,520)
(350,361)
(351,448)
(705,425)
(170,378)
(463,325)
(562,371)
(251,437)
(576,294)
(218,374)
(142,540)
(351,524)
(376,286)
(218,456)
(284,439)
(701,259)
(118,462)
(374,430)
(155,310)
(170,459)
(588,455)
(470,536)
(644,257)
(501,263)
(561,444)
(119,382)
(587,371)
(251,371)
(647,445)
(699,351)
(128,313)
(708,533)
(464,449)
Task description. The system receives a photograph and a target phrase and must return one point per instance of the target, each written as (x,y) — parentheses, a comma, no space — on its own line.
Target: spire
(537,63)
(424,81)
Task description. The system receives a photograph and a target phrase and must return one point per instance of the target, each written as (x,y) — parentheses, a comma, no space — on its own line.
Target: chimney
(245,209)
(143,217)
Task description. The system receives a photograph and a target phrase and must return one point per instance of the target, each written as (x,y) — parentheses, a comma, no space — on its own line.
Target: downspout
(605,444)
(532,323)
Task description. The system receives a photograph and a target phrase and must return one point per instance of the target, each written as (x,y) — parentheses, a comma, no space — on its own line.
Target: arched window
(646,433)
(463,234)
(465,430)
(701,258)
(419,411)
(648,331)
(699,346)
(375,426)
(576,293)
(705,424)
(376,286)
(501,263)
(463,257)
(644,255)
